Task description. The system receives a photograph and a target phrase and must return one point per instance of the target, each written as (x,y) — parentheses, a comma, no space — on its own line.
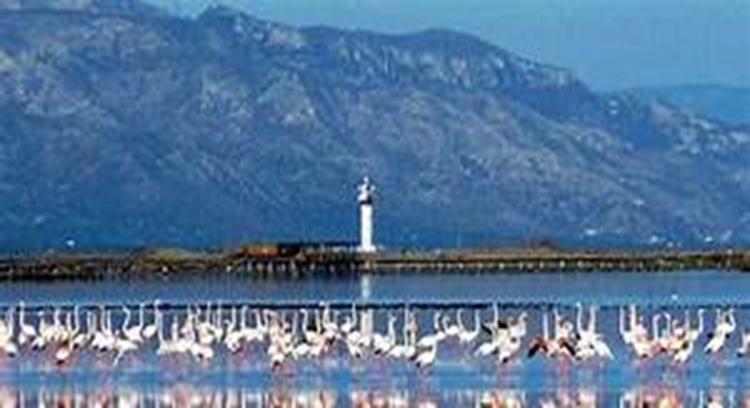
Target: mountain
(123,126)
(90,6)
(730,104)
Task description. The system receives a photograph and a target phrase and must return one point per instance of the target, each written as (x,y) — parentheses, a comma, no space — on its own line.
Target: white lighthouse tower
(366,196)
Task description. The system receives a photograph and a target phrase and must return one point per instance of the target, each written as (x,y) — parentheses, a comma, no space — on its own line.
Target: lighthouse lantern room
(366,196)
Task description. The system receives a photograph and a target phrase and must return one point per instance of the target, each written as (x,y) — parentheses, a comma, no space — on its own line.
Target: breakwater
(297,261)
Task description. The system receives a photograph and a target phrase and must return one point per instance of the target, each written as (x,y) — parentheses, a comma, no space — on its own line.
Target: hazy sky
(609,43)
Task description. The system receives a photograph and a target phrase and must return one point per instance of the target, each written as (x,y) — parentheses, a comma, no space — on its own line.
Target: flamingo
(188,344)
(26,331)
(104,339)
(356,337)
(506,338)
(507,346)
(64,350)
(558,346)
(256,333)
(627,334)
(82,337)
(436,336)
(637,333)
(210,328)
(469,336)
(304,347)
(643,346)
(488,347)
(56,332)
(427,357)
(134,333)
(149,331)
(124,345)
(109,335)
(202,352)
(217,329)
(310,326)
(408,349)
(695,333)
(590,343)
(517,326)
(683,339)
(353,334)
(279,343)
(382,344)
(234,335)
(451,330)
(563,328)
(7,332)
(350,322)
(174,345)
(725,325)
(329,323)
(164,346)
(63,354)
(100,338)
(684,351)
(542,343)
(40,342)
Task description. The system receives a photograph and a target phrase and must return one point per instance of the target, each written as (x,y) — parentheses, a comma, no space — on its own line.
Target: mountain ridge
(126,130)
(727,103)
(113,6)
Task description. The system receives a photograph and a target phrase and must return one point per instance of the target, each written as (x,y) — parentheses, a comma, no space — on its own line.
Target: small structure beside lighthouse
(366,198)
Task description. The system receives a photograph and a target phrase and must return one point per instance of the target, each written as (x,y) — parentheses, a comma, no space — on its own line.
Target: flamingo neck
(141,315)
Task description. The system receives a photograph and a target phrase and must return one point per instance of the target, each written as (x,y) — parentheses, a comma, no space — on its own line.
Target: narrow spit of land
(291,261)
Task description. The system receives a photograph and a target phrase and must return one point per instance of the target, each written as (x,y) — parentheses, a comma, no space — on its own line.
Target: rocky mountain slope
(123,126)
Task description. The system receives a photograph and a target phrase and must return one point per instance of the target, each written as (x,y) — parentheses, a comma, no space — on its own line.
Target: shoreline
(296,261)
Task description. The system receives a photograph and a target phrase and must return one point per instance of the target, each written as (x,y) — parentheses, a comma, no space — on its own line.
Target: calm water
(678,288)
(458,379)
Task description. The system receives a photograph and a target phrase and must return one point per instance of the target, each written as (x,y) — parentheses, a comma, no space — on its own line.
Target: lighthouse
(365,198)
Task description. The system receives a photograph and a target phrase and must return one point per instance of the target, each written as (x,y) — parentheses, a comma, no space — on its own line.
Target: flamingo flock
(201,332)
(676,338)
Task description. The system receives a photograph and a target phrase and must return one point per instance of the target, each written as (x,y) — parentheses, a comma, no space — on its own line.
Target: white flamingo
(149,331)
(26,331)
(725,325)
(134,333)
(43,338)
(469,336)
(436,336)
(234,334)
(259,331)
(683,342)
(427,358)
(451,330)
(7,332)
(590,342)
(408,349)
(382,344)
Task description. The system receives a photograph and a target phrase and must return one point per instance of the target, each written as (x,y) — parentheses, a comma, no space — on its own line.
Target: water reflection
(190,396)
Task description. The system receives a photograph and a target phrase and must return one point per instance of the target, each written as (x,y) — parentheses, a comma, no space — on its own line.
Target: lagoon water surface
(458,377)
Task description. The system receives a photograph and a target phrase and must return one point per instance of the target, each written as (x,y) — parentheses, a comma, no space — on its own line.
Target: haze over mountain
(122,126)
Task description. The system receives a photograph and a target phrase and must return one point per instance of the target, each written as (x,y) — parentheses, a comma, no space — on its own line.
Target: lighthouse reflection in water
(631,340)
